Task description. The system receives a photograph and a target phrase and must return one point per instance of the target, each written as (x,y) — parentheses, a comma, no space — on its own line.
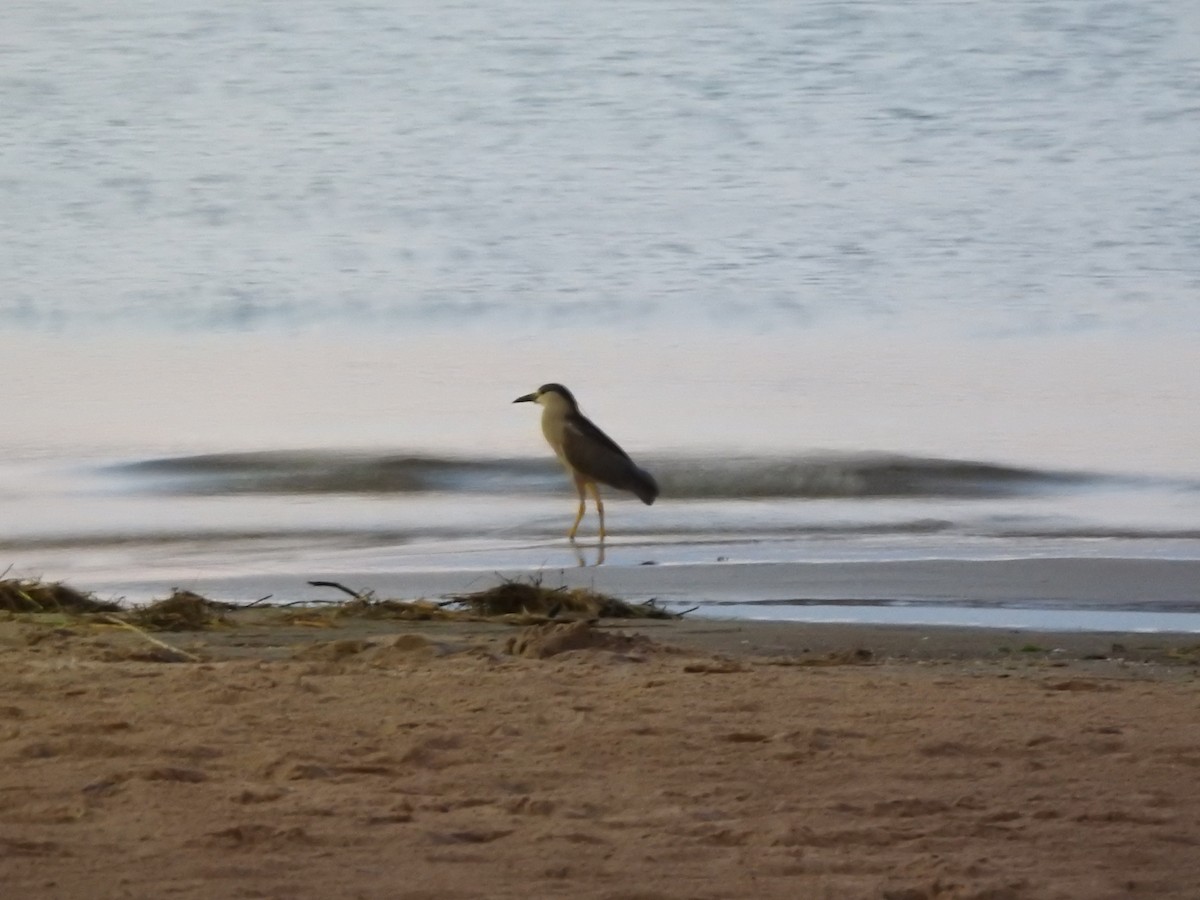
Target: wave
(331,472)
(744,477)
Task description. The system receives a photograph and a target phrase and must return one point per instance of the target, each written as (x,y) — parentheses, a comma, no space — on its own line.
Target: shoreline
(1092,595)
(279,629)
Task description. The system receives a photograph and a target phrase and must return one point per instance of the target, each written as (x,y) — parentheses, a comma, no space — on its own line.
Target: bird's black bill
(528,398)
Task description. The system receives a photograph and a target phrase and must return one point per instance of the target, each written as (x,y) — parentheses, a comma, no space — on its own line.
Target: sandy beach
(673,759)
(895,302)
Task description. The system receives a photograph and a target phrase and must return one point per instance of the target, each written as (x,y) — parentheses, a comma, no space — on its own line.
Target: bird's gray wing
(594,454)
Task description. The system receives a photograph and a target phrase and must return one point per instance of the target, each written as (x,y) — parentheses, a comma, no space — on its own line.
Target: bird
(589,455)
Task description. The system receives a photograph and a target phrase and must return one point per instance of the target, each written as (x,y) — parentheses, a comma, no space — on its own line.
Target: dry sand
(653,760)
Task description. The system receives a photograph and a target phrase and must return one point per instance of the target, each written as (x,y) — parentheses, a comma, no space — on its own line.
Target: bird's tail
(645,487)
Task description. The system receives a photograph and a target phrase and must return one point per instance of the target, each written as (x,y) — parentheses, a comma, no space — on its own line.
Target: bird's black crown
(555,388)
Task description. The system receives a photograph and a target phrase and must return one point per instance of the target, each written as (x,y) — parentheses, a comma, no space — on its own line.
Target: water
(860,283)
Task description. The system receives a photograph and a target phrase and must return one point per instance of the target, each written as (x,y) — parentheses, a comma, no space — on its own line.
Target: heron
(589,455)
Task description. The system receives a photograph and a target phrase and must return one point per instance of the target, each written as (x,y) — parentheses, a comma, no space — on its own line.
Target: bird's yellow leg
(599,505)
(579,482)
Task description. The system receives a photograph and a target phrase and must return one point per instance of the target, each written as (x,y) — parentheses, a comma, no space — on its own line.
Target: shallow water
(859,282)
(343,477)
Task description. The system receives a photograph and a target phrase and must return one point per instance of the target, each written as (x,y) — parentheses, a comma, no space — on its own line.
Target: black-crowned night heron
(591,457)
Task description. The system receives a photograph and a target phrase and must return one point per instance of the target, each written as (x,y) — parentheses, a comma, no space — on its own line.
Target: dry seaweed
(366,607)
(531,598)
(28,596)
(182,611)
(512,601)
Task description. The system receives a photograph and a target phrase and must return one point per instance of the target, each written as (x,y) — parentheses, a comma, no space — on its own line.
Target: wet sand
(691,759)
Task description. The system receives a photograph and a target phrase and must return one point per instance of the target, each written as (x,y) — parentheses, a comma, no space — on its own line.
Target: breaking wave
(826,476)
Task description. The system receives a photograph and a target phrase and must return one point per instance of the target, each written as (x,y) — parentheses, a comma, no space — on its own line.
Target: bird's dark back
(592,452)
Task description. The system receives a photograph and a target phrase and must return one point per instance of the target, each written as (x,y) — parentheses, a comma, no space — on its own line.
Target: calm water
(858,281)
